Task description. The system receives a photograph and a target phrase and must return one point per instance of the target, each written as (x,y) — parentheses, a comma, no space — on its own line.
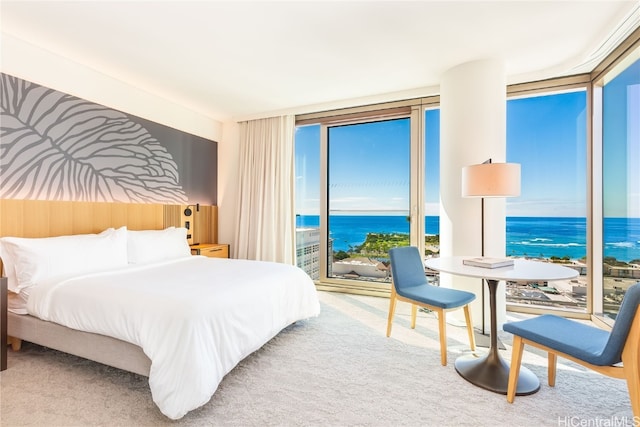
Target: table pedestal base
(491,372)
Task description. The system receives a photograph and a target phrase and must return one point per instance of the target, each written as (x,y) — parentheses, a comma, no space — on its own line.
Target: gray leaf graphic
(55,146)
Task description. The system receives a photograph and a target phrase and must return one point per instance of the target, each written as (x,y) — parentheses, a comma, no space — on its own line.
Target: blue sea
(526,236)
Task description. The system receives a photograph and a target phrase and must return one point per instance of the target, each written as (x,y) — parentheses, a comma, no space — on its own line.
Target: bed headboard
(43,218)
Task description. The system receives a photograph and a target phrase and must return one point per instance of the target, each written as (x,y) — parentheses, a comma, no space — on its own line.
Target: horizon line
(382,213)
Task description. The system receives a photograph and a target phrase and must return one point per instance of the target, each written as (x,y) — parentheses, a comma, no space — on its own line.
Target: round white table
(490,371)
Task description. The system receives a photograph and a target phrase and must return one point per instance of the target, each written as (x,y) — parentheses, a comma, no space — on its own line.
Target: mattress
(195,318)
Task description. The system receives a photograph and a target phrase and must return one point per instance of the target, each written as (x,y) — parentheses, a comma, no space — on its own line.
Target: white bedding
(195,318)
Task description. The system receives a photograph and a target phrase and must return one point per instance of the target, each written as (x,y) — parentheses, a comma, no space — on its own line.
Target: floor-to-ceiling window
(547,136)
(432,186)
(367,191)
(432,181)
(307,192)
(357,194)
(354,195)
(368,196)
(620,183)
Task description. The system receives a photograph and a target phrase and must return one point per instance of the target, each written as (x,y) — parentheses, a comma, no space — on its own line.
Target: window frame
(412,109)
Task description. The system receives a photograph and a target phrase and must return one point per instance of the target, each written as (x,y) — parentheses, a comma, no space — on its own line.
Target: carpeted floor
(335,370)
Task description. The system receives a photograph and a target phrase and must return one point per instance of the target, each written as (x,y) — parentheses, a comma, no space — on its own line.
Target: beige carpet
(336,370)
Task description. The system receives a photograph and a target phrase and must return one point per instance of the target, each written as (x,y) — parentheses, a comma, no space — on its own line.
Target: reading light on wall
(188,211)
(490,180)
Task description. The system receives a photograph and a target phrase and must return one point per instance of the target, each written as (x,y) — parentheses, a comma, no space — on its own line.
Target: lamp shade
(491,180)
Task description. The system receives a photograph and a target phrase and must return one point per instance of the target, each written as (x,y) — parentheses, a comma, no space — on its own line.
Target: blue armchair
(410,285)
(592,347)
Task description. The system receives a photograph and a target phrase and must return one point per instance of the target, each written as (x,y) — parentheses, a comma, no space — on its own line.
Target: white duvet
(194,317)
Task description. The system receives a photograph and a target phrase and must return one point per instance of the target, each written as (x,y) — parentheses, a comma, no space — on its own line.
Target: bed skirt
(99,348)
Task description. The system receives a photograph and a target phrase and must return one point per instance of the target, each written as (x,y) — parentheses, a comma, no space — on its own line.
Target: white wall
(29,62)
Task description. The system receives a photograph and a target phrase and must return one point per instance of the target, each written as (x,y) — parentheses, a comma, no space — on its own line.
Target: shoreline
(536,237)
(376,245)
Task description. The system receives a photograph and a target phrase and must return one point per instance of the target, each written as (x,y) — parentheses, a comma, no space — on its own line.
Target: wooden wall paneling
(41,218)
(201,234)
(35,219)
(172,215)
(119,214)
(102,216)
(192,220)
(11,212)
(152,217)
(214,224)
(144,216)
(206,225)
(82,218)
(61,218)
(135,217)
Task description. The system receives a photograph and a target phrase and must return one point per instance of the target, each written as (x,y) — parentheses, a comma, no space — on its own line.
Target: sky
(369,163)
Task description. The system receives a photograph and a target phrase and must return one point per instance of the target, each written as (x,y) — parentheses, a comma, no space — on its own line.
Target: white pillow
(157,245)
(30,261)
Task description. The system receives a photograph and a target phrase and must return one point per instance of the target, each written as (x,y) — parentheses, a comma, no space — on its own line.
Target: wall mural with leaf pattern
(55,146)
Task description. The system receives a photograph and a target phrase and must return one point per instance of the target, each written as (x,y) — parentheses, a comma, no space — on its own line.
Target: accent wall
(55,146)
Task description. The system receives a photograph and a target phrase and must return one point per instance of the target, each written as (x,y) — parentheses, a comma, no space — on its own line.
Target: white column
(472,130)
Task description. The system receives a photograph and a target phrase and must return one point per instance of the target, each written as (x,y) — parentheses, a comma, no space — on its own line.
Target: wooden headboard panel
(42,218)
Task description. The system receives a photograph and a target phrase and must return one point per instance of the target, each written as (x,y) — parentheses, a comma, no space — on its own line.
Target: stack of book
(488,262)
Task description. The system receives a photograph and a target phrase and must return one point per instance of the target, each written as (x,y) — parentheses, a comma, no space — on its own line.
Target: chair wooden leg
(467,317)
(414,314)
(551,369)
(631,369)
(514,371)
(442,324)
(392,309)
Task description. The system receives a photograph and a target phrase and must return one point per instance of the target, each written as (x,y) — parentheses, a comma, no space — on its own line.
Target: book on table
(488,262)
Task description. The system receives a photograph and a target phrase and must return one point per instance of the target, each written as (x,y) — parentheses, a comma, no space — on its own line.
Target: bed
(184,321)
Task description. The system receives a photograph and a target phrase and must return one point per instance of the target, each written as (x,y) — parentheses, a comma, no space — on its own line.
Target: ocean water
(530,236)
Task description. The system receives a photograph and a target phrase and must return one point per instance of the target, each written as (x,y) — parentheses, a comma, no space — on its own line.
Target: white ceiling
(238,59)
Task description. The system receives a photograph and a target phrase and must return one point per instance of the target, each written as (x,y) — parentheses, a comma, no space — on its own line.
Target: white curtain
(265,227)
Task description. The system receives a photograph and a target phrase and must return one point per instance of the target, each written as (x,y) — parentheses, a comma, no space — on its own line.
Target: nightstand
(212,250)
